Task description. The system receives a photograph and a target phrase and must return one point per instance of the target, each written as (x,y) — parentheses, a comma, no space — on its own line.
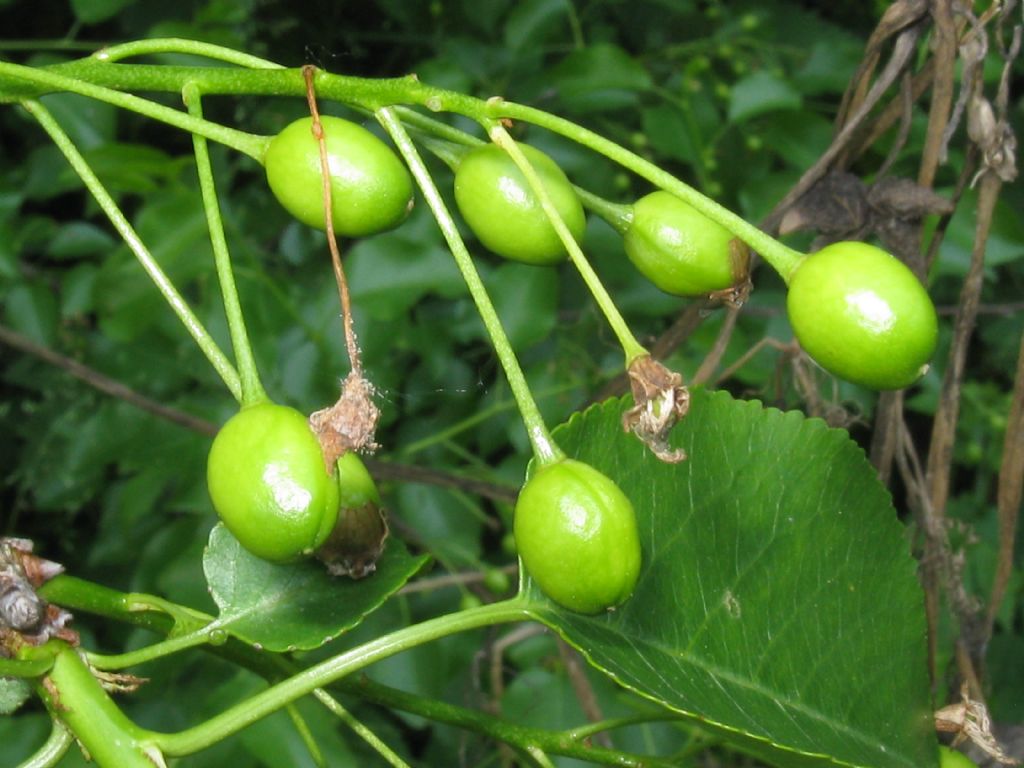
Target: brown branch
(714,356)
(1011,483)
(897,17)
(382,470)
(103,383)
(944,43)
(940,453)
(589,703)
(903,51)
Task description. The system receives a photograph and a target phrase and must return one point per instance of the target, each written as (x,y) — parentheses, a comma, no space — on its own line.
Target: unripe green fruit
(678,248)
(371,190)
(355,483)
(497,203)
(862,315)
(951,758)
(577,536)
(268,482)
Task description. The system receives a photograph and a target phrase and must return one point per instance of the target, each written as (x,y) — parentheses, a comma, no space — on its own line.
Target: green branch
(53,750)
(51,80)
(140,610)
(75,697)
(303,683)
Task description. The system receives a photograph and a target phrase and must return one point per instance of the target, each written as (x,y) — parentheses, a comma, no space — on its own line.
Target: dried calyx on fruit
(358,539)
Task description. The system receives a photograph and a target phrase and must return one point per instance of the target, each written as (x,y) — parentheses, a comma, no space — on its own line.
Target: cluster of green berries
(857,310)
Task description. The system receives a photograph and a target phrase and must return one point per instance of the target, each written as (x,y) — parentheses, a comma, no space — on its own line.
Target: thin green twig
(252,389)
(632,348)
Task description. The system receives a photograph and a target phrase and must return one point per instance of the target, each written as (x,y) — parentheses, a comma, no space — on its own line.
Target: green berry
(497,203)
(862,315)
(577,537)
(268,482)
(371,190)
(678,248)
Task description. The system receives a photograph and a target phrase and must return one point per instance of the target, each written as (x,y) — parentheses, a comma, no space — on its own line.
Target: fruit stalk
(630,346)
(252,387)
(782,258)
(545,449)
(103,198)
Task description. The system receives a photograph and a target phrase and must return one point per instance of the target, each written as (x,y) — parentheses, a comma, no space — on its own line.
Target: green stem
(53,750)
(620,217)
(115,53)
(252,389)
(335,668)
(545,449)
(76,698)
(247,143)
(448,151)
(178,304)
(592,729)
(308,739)
(359,729)
(630,346)
(154,651)
(785,260)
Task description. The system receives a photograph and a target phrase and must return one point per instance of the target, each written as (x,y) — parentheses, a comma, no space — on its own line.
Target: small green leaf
(31,309)
(530,22)
(526,299)
(93,11)
(600,77)
(778,602)
(14,691)
(759,93)
(79,239)
(295,606)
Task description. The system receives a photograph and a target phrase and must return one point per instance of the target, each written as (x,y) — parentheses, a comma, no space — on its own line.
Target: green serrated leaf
(296,606)
(778,601)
